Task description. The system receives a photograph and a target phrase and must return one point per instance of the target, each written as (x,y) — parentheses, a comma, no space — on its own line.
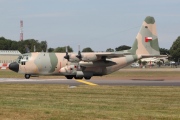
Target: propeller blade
(66,49)
(66,56)
(78,47)
(34,48)
(79,53)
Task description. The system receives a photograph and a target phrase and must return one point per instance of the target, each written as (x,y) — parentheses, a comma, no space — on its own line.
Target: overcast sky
(99,24)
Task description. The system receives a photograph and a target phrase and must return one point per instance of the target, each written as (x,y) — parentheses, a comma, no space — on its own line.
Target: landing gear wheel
(78,77)
(87,78)
(69,76)
(27,76)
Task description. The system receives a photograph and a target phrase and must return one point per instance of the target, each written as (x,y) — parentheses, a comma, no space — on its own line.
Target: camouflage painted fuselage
(51,64)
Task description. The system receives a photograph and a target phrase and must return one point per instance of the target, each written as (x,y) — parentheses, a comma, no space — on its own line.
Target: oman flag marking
(147,39)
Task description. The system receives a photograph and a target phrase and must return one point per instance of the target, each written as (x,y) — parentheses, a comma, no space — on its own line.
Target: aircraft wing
(112,54)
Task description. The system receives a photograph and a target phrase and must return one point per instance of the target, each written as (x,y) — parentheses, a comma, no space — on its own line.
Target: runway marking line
(85,82)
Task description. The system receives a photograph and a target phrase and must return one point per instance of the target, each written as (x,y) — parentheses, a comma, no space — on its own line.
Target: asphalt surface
(132,82)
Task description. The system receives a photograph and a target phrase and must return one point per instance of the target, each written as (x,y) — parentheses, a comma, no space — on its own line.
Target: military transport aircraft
(85,65)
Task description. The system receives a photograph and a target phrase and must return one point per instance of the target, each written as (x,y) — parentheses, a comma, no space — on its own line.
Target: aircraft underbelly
(96,70)
(121,63)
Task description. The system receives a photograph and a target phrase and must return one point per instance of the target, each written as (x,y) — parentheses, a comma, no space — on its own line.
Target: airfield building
(8,56)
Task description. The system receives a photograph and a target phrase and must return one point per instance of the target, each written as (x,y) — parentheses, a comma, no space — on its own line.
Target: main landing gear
(87,78)
(71,77)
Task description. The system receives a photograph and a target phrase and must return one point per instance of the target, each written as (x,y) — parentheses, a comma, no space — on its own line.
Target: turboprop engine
(76,58)
(89,57)
(73,58)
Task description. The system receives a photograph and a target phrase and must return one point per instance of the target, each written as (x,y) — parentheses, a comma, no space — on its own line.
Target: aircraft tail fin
(146,42)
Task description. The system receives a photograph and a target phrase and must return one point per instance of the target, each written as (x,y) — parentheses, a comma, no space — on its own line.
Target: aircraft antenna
(66,56)
(46,47)
(79,53)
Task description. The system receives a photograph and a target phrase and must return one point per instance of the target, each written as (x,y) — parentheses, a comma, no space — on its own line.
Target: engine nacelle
(89,57)
(73,58)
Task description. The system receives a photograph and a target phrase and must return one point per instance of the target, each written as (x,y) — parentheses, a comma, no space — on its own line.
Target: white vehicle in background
(135,65)
(172,63)
(153,61)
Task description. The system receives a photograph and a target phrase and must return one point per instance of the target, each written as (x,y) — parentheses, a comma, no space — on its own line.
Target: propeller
(79,56)
(34,48)
(47,48)
(79,53)
(67,55)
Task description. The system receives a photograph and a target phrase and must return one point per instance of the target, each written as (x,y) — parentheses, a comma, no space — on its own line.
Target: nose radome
(14,66)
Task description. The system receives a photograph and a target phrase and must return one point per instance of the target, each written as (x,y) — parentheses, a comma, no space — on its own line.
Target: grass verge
(55,102)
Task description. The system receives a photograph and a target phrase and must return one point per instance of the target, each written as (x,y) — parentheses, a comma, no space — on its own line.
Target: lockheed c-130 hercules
(85,65)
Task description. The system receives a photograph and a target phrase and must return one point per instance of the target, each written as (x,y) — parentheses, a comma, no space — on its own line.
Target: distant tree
(123,47)
(144,63)
(2,38)
(159,63)
(30,43)
(175,50)
(51,50)
(140,62)
(59,49)
(14,45)
(88,49)
(164,51)
(63,49)
(110,50)
(43,45)
(5,44)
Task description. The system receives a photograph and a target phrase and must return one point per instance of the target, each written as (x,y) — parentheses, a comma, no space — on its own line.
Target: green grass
(58,102)
(54,102)
(9,74)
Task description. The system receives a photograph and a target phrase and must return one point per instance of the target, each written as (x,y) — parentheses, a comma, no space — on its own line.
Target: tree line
(22,46)
(31,45)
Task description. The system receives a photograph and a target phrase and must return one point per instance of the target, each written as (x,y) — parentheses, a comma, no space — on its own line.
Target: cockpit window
(19,59)
(23,59)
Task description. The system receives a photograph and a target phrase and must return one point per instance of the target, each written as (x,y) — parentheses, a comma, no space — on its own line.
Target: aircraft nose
(14,66)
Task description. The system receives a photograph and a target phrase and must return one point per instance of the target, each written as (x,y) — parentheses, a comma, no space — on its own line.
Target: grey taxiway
(131,82)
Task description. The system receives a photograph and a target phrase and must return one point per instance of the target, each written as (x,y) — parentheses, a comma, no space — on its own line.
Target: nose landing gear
(27,76)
